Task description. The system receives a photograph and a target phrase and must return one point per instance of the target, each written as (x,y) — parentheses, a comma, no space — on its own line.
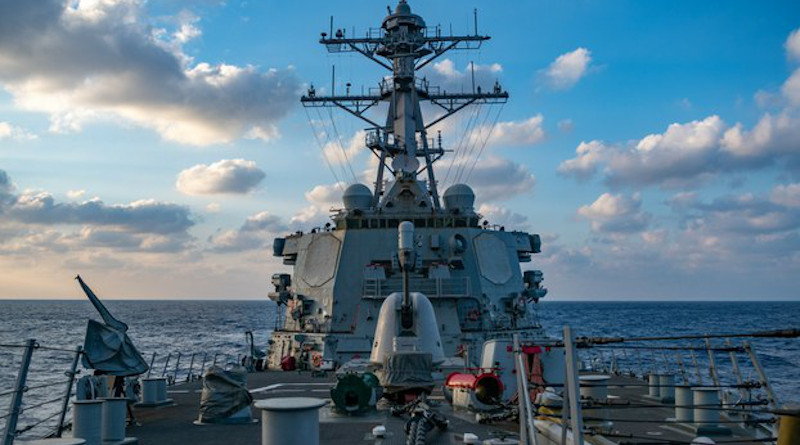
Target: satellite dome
(459,196)
(403,16)
(357,196)
(402,8)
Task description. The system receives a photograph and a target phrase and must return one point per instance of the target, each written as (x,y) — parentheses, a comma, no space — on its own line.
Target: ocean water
(209,328)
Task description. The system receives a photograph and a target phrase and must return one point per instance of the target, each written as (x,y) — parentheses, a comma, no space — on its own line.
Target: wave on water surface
(206,328)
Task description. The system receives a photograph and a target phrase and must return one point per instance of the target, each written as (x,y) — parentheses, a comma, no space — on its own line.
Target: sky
(158,147)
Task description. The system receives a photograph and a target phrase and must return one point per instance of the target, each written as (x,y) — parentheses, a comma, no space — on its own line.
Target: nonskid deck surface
(174,424)
(654,423)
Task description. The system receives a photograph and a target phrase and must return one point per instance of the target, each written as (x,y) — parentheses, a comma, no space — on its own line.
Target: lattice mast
(403,45)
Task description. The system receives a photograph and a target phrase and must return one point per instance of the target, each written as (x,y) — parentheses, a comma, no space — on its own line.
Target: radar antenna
(403,45)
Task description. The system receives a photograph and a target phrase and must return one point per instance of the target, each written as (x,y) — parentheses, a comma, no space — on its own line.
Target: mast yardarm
(403,45)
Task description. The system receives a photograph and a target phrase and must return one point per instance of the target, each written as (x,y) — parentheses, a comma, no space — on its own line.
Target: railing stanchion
(573,388)
(203,365)
(191,370)
(712,363)
(667,364)
(150,369)
(627,362)
(736,372)
(696,368)
(601,361)
(773,401)
(526,414)
(166,363)
(177,365)
(614,363)
(70,381)
(642,372)
(682,368)
(14,407)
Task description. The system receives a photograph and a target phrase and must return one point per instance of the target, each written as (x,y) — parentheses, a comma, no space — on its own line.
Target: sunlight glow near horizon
(158,147)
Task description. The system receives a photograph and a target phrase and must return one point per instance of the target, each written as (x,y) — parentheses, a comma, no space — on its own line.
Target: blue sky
(157,147)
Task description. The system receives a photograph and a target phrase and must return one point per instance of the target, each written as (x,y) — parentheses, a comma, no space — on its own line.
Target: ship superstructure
(469,270)
(408,280)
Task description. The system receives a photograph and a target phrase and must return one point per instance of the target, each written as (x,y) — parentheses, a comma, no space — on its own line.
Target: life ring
(316,360)
(474,315)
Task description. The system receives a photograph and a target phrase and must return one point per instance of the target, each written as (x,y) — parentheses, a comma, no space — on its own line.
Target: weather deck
(174,424)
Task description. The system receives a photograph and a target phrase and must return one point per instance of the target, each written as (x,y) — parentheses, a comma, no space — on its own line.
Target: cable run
(329,142)
(459,147)
(35,424)
(485,141)
(322,149)
(474,140)
(341,146)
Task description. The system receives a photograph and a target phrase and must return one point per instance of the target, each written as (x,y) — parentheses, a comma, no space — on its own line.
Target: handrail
(21,391)
(747,408)
(68,393)
(16,401)
(775,333)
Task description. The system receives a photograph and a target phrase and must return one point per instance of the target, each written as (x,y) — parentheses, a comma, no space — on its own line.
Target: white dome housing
(357,197)
(426,329)
(459,196)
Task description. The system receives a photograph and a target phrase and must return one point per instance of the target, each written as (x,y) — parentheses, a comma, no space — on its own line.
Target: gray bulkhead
(341,276)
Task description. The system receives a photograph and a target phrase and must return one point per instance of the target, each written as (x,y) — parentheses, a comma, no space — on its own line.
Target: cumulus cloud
(80,61)
(747,218)
(75,194)
(694,151)
(257,232)
(6,187)
(228,176)
(681,152)
(616,214)
(8,131)
(690,152)
(147,215)
(773,136)
(714,251)
(446,75)
(187,27)
(568,69)
(498,179)
(791,88)
(125,241)
(337,152)
(786,195)
(655,237)
(502,216)
(322,198)
(326,195)
(584,165)
(792,45)
(517,133)
(35,221)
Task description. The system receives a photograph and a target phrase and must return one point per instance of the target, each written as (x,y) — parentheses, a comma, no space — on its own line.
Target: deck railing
(431,287)
(741,394)
(36,407)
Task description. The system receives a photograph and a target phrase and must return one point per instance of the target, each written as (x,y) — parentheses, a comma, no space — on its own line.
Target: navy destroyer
(407,319)
(342,274)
